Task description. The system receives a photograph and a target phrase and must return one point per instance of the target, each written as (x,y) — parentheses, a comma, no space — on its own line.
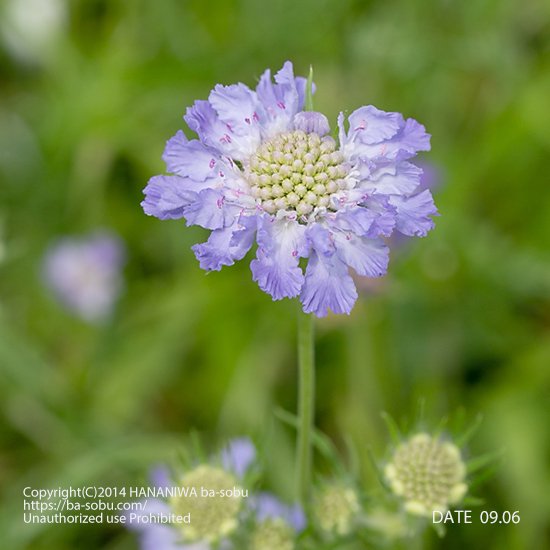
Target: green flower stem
(306,405)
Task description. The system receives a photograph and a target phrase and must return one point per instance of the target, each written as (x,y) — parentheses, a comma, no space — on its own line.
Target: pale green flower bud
(335,509)
(212,517)
(427,473)
(273,534)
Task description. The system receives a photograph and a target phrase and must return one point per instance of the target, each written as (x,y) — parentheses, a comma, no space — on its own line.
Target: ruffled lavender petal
(213,132)
(320,238)
(378,136)
(166,197)
(278,280)
(191,159)
(412,138)
(327,285)
(239,455)
(370,125)
(286,88)
(406,144)
(393,179)
(223,247)
(371,220)
(207,210)
(413,213)
(244,235)
(203,119)
(384,216)
(280,245)
(369,257)
(235,104)
(280,100)
(237,107)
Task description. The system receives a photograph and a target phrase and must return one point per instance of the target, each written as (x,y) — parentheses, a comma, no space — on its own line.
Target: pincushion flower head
(427,473)
(265,170)
(336,509)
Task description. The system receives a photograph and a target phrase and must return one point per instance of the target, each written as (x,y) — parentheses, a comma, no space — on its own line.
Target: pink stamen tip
(281,105)
(212,163)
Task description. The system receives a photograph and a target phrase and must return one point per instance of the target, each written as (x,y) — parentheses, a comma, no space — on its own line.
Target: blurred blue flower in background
(239,455)
(263,170)
(85,274)
(432,175)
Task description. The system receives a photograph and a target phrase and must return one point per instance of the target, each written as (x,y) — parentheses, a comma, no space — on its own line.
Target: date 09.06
(485,516)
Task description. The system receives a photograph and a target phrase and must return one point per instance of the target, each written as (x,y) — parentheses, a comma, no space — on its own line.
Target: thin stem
(306,404)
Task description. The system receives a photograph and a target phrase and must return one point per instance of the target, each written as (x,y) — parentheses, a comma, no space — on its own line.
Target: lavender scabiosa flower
(85,274)
(239,455)
(265,170)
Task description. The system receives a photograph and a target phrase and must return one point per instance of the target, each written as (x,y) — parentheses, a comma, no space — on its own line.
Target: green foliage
(461,320)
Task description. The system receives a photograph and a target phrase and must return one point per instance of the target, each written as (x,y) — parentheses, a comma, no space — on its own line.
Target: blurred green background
(91,89)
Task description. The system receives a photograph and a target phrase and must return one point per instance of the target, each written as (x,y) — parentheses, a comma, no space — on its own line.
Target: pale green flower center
(296,171)
(272,534)
(212,517)
(335,509)
(427,473)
